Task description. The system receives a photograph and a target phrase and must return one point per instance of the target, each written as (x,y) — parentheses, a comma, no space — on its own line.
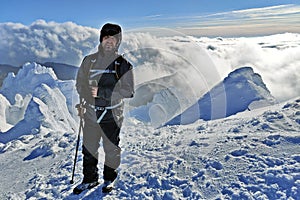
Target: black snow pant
(92,134)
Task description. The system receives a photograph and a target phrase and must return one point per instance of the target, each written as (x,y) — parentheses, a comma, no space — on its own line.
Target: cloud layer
(276,58)
(248,22)
(199,63)
(45,41)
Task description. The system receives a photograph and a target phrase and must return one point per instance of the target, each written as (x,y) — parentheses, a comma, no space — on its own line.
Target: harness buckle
(100,108)
(97,108)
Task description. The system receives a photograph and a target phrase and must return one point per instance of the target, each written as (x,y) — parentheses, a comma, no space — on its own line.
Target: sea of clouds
(201,62)
(44,41)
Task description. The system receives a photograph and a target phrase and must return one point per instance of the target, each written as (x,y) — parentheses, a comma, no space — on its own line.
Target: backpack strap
(118,63)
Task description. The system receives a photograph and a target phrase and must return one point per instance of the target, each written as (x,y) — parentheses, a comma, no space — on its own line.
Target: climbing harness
(104,109)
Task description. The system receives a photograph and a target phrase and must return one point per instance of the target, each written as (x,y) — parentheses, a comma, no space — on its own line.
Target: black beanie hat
(109,29)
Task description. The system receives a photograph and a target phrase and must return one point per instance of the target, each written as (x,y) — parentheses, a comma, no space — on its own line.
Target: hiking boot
(84,186)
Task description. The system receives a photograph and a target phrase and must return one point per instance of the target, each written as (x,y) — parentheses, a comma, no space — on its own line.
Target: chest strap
(96,72)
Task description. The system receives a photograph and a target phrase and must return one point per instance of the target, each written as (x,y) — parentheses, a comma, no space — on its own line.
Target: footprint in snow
(239,152)
(272,140)
(42,151)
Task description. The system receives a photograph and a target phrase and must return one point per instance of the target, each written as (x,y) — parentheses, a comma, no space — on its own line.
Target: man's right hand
(80,110)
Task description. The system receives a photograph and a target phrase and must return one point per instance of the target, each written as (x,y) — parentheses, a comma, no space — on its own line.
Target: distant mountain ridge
(62,71)
(5,69)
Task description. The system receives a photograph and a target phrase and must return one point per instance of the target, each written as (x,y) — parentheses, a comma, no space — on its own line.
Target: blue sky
(190,15)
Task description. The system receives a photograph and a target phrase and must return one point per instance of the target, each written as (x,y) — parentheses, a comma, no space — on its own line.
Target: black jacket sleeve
(126,81)
(82,85)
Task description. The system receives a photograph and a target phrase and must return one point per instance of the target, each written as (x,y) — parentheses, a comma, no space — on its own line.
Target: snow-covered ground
(253,155)
(249,155)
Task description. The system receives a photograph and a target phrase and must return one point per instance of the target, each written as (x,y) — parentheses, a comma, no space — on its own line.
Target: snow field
(240,157)
(257,160)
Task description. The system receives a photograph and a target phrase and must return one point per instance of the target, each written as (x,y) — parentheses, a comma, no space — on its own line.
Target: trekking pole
(78,139)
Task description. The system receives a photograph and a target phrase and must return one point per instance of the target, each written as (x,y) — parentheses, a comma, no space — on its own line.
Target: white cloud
(276,58)
(161,56)
(248,22)
(45,41)
(196,69)
(268,11)
(186,66)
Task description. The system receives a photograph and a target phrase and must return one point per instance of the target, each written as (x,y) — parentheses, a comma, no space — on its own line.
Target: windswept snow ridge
(236,93)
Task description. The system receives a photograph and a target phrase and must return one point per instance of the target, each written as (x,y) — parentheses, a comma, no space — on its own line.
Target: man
(104,79)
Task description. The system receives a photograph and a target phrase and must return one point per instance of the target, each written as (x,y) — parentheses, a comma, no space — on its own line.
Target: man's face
(109,43)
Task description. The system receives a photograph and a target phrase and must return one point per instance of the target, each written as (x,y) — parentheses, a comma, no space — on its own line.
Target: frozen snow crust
(250,155)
